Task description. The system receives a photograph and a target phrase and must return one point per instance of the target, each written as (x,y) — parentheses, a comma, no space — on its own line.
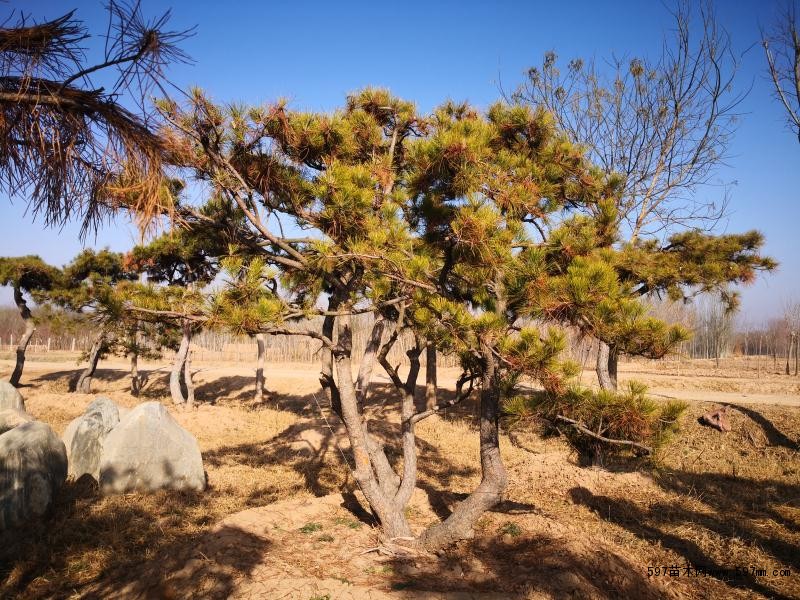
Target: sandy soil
(282,517)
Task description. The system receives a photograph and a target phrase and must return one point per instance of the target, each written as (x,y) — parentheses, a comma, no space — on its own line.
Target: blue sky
(314,53)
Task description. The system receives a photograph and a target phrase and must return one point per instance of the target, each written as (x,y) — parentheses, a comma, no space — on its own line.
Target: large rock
(12,417)
(84,437)
(33,467)
(10,397)
(148,451)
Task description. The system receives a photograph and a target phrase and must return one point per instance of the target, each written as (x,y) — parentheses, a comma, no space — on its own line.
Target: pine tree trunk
(392,517)
(459,525)
(187,378)
(259,395)
(368,361)
(175,387)
(135,381)
(326,359)
(84,385)
(30,328)
(606,366)
(430,375)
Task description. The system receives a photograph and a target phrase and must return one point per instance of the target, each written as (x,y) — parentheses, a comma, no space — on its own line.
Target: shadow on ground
(115,533)
(731,520)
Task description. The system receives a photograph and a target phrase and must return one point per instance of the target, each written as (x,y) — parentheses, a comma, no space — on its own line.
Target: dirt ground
(716,516)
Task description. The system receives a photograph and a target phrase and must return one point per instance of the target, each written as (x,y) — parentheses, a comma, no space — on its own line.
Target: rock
(33,467)
(85,435)
(105,411)
(148,451)
(10,397)
(12,417)
(718,419)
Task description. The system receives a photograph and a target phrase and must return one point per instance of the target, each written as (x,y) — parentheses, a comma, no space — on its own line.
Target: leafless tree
(782,50)
(664,125)
(67,144)
(791,316)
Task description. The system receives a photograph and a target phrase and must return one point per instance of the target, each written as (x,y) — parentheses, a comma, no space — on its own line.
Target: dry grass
(713,500)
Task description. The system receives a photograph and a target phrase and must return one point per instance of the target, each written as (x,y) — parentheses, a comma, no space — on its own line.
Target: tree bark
(30,328)
(430,375)
(368,361)
(407,411)
(84,385)
(187,378)
(175,388)
(326,359)
(392,518)
(493,483)
(135,381)
(606,368)
(259,395)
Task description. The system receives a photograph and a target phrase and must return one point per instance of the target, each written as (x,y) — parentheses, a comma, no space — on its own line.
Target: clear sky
(316,52)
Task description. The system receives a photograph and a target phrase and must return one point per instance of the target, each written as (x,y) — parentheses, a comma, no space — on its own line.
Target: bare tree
(791,316)
(66,142)
(664,125)
(782,50)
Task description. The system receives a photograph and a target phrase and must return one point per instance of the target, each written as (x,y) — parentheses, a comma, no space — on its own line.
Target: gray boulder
(12,417)
(84,437)
(33,467)
(149,451)
(10,397)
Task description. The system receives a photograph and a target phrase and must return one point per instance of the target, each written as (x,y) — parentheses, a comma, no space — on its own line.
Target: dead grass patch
(712,500)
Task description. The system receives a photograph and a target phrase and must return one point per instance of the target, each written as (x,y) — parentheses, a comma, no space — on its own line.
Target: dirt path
(724,397)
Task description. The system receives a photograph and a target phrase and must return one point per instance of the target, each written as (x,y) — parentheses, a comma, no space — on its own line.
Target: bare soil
(282,517)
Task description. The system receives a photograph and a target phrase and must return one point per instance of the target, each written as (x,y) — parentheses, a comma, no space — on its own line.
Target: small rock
(10,397)
(12,417)
(149,451)
(33,467)
(718,419)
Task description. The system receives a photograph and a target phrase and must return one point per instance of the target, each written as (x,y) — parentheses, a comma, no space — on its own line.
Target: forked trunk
(30,328)
(175,387)
(84,385)
(606,368)
(430,375)
(459,525)
(391,516)
(259,395)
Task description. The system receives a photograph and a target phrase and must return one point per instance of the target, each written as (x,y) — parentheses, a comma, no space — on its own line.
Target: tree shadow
(104,375)
(117,532)
(540,565)
(232,387)
(729,494)
(774,436)
(647,523)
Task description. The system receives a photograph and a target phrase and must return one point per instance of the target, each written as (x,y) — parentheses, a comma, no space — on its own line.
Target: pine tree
(434,224)
(69,144)
(178,265)
(89,286)
(26,275)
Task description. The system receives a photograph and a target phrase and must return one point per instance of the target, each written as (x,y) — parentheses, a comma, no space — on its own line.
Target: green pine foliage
(627,414)
(487,233)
